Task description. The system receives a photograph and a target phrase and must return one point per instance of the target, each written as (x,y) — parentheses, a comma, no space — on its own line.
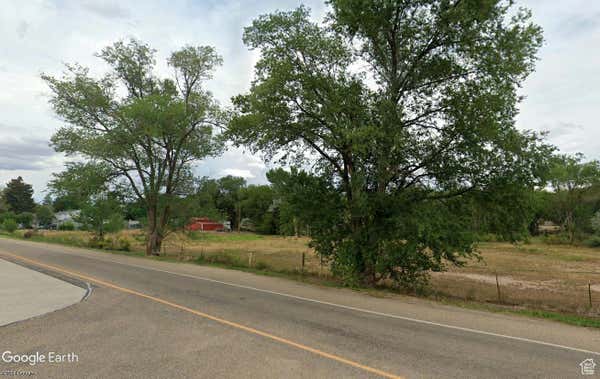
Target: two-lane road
(154,319)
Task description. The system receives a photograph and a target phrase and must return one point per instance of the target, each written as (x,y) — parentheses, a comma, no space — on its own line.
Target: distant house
(548,227)
(134,224)
(63,217)
(205,224)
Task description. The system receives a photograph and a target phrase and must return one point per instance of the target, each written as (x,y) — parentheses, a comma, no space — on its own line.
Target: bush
(30,233)
(9,225)
(123,244)
(66,226)
(593,241)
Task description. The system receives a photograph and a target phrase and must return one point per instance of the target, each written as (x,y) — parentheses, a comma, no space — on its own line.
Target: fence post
(250,259)
(498,288)
(303,259)
(590,292)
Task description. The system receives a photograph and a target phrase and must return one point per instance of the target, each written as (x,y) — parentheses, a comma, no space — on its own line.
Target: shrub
(123,244)
(30,233)
(9,225)
(593,241)
(66,226)
(6,216)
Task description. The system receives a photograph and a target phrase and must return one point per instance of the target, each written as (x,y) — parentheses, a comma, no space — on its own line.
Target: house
(588,367)
(548,227)
(205,224)
(134,224)
(63,217)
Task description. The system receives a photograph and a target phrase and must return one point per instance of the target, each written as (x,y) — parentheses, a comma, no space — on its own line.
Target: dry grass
(535,275)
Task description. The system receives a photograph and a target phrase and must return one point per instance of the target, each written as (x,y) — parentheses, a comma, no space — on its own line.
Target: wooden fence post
(303,259)
(590,292)
(498,288)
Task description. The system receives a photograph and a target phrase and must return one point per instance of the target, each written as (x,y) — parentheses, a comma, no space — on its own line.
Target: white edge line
(415,320)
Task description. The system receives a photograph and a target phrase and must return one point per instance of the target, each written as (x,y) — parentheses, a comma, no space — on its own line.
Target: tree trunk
(154,243)
(295,222)
(154,236)
(238,211)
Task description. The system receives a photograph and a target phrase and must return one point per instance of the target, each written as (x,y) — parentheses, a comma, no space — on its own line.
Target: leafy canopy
(398,110)
(18,195)
(142,131)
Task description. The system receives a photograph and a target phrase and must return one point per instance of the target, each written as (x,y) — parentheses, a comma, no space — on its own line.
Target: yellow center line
(248,329)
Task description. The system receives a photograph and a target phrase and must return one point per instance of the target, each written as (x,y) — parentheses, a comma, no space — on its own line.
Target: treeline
(18,209)
(569,200)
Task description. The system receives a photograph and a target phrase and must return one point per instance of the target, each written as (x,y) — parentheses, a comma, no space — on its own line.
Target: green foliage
(399,152)
(593,241)
(202,203)
(595,223)
(18,195)
(7,215)
(491,215)
(9,225)
(257,206)
(25,219)
(66,226)
(78,183)
(572,180)
(145,141)
(102,215)
(44,215)
(229,198)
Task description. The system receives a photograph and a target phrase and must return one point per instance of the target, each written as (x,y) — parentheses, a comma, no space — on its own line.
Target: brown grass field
(532,276)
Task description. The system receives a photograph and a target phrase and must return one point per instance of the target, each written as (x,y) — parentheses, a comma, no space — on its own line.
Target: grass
(224,237)
(536,279)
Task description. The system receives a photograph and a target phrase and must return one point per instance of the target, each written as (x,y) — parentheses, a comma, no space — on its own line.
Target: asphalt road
(151,319)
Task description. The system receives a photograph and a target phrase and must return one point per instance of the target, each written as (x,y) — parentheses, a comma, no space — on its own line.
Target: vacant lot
(533,275)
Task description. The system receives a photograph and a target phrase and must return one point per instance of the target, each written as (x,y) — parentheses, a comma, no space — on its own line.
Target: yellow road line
(285,341)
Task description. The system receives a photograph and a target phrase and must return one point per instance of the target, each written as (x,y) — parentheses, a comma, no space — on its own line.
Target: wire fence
(579,293)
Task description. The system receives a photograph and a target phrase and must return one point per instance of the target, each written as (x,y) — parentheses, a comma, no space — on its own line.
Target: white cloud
(246,174)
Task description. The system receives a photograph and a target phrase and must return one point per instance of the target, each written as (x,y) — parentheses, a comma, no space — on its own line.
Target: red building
(204,224)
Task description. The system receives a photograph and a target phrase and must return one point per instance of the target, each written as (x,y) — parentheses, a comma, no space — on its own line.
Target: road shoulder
(27,293)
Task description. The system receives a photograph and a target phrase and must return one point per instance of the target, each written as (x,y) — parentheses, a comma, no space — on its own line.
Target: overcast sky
(562,96)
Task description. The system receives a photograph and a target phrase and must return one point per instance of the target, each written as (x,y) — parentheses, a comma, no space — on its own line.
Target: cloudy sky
(562,96)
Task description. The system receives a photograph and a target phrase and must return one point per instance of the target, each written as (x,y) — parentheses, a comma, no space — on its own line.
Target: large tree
(571,179)
(147,131)
(18,195)
(403,109)
(229,198)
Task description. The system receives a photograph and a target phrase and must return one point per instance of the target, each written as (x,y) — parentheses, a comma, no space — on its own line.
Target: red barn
(204,224)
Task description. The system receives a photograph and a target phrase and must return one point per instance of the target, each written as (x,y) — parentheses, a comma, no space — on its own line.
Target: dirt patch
(503,280)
